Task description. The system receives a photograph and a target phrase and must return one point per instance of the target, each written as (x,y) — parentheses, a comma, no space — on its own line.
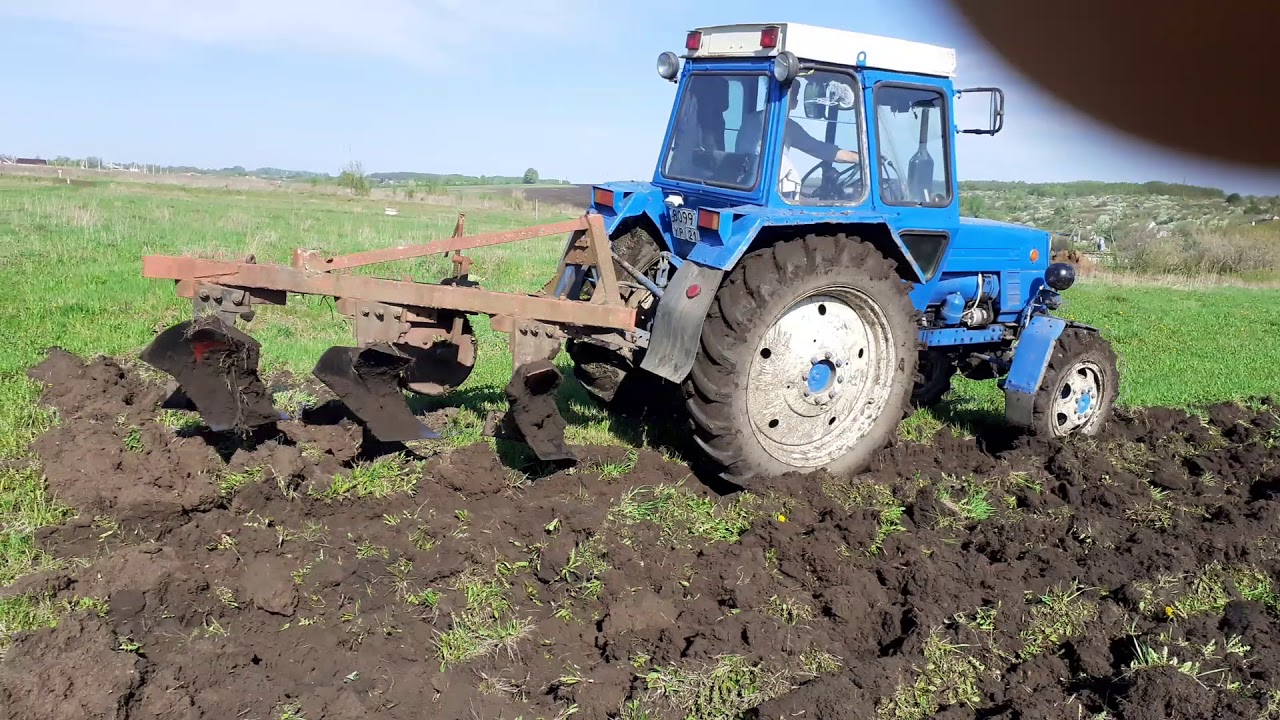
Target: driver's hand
(846,156)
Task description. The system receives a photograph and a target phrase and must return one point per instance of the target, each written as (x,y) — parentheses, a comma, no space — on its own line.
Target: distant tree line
(344,177)
(1085,188)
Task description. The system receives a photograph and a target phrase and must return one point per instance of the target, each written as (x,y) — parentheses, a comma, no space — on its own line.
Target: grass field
(70,276)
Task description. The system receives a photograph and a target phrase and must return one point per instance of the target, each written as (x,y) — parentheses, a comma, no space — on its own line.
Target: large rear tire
(807,361)
(608,371)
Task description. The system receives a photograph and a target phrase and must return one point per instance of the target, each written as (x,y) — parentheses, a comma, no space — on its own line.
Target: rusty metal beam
(393,292)
(464,242)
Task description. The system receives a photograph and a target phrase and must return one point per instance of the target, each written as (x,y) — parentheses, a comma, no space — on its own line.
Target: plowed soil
(295,574)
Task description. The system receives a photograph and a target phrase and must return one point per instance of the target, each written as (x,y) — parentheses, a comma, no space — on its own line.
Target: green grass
(684,515)
(949,677)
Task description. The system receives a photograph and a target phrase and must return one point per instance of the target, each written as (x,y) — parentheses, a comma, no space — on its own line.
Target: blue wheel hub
(821,376)
(1086,401)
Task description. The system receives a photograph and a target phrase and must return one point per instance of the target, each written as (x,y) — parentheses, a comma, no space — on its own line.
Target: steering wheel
(838,186)
(891,185)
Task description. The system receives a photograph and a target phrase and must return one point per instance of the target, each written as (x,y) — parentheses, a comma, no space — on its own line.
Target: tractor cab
(789,115)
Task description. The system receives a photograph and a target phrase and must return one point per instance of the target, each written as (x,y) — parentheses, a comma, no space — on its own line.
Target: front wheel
(1079,386)
(807,360)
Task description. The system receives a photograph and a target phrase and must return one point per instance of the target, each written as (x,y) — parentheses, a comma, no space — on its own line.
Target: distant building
(30,161)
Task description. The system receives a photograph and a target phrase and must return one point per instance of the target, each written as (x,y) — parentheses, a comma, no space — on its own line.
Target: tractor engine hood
(708,229)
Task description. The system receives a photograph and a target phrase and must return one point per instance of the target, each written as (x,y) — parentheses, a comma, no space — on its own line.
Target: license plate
(684,224)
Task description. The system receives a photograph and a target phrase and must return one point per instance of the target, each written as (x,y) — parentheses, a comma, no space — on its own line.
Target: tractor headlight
(668,65)
(785,67)
(1060,276)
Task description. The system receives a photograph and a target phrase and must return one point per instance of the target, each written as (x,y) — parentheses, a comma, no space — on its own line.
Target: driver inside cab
(796,137)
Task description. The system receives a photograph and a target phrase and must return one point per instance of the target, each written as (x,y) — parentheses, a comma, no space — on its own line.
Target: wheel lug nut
(807,393)
(832,394)
(815,360)
(839,378)
(828,355)
(839,363)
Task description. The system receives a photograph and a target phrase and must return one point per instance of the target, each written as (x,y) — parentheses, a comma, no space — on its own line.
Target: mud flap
(1030,357)
(367,381)
(533,415)
(216,367)
(677,326)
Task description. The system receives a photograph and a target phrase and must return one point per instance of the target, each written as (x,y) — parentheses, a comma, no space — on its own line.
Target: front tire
(807,360)
(1079,387)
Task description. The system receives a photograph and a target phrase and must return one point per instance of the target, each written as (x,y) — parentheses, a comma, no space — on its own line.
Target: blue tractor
(799,266)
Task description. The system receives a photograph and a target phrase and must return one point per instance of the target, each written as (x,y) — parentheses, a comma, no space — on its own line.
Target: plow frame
(233,287)
(389,313)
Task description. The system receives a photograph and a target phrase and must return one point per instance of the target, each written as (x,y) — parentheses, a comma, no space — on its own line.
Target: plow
(409,336)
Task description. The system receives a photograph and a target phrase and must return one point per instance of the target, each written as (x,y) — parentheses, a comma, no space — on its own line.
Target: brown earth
(292,574)
(575,196)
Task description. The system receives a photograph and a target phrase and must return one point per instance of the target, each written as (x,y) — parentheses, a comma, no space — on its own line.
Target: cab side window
(914,153)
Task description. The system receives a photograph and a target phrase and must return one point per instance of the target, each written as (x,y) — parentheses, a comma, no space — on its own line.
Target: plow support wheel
(367,381)
(216,367)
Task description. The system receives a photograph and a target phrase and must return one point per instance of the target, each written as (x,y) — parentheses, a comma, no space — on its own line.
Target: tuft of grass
(1206,592)
(179,421)
(1147,657)
(1056,617)
(20,613)
(486,625)
(721,691)
(873,496)
(788,610)
(230,482)
(1156,513)
(294,402)
(289,711)
(388,475)
(684,515)
(615,470)
(949,676)
(587,561)
(133,439)
(972,506)
(424,598)
(25,506)
(920,427)
(1129,456)
(820,662)
(22,418)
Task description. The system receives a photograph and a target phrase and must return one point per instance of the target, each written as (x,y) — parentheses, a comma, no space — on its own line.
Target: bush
(354,179)
(1248,250)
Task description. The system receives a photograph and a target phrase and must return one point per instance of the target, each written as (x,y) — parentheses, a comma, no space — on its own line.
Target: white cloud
(420,32)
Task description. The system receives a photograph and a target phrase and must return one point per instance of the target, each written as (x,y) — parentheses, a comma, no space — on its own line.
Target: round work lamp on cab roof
(668,65)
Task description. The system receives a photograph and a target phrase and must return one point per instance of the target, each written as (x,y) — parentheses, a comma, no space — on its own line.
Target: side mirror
(996,120)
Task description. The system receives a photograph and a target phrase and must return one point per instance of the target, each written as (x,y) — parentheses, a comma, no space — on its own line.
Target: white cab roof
(828,45)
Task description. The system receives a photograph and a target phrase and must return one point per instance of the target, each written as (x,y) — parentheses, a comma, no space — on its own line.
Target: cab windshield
(719,130)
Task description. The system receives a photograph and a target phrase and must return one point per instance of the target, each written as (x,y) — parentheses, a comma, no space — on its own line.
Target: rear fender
(634,203)
(746,228)
(1030,358)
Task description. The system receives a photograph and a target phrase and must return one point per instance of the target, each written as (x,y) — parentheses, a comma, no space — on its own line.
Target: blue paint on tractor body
(993,267)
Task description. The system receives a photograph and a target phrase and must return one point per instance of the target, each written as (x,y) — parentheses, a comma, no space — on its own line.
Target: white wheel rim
(1077,398)
(820,377)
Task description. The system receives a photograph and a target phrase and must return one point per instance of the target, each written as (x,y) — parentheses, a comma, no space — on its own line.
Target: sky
(463,86)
